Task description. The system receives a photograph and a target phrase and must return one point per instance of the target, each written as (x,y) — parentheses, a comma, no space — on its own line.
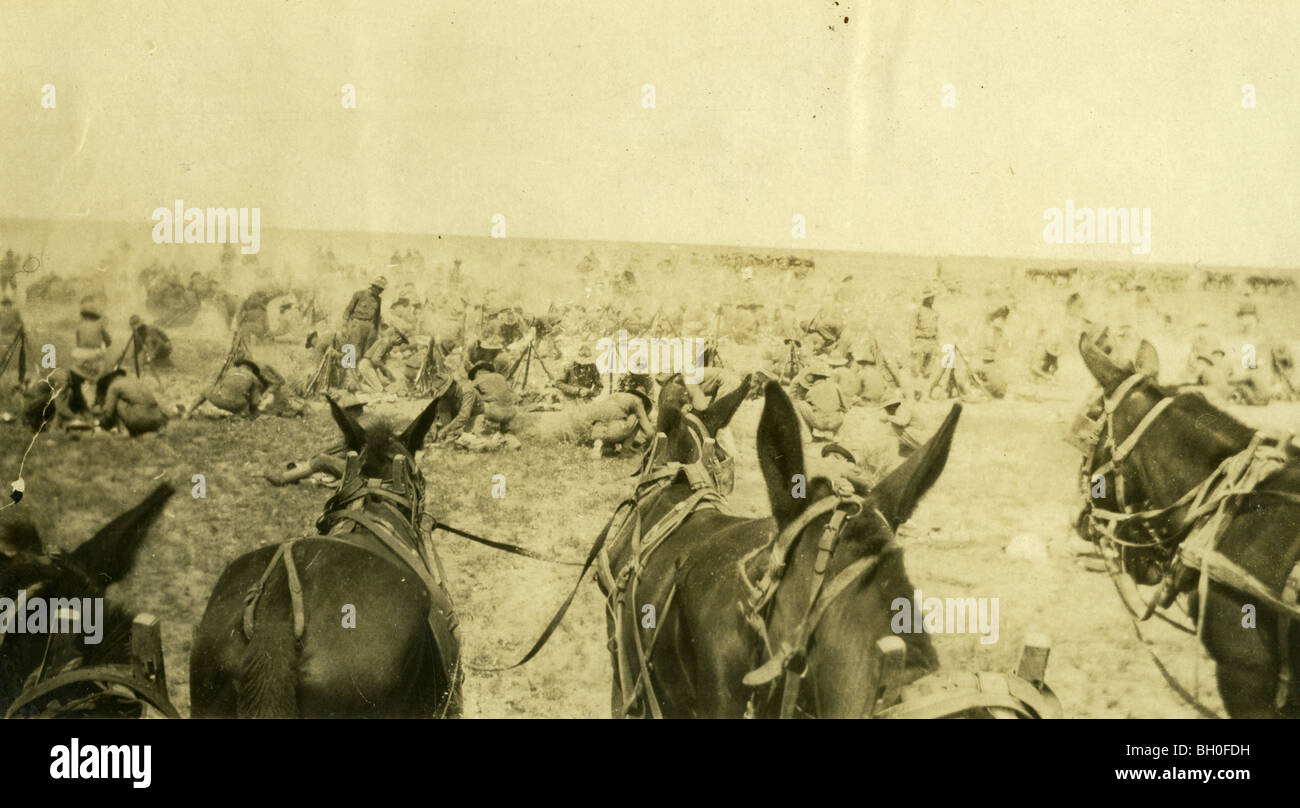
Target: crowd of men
(488,363)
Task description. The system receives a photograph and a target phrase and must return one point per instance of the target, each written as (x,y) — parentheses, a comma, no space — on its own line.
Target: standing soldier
(92,341)
(361,317)
(9,273)
(925,335)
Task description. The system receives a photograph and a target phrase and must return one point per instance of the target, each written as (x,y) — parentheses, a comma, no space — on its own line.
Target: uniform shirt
(493,388)
(926,325)
(825,395)
(616,407)
(153,342)
(579,376)
(364,306)
(849,382)
(127,390)
(91,334)
(379,349)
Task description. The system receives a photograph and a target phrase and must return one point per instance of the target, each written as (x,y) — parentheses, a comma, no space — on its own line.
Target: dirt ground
(1009,473)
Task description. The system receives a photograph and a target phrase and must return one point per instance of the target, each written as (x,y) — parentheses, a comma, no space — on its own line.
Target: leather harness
(368,514)
(1198,519)
(934,696)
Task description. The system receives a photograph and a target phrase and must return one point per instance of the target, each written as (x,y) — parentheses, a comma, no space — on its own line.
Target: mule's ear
(896,495)
(353,435)
(780,456)
(413,436)
(1107,373)
(1147,361)
(721,410)
(668,420)
(110,553)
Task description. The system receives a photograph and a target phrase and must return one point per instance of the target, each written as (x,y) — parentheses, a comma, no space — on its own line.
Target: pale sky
(534,110)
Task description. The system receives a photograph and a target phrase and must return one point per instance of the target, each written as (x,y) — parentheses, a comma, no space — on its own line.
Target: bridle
(1108,522)
(790,660)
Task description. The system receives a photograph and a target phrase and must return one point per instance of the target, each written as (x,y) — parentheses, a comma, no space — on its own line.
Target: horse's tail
(268,677)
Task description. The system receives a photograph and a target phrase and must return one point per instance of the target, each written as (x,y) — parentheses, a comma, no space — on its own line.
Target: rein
(1191,542)
(790,660)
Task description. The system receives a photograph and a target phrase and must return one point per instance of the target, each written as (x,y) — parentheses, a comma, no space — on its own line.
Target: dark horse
(398,656)
(699,644)
(82,573)
(1171,447)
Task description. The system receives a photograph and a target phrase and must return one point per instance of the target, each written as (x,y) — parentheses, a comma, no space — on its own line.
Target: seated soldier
(153,344)
(822,407)
(581,378)
(900,418)
(849,383)
(872,381)
(125,400)
(331,461)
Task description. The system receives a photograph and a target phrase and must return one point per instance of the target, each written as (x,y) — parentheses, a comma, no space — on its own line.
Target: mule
(85,572)
(275,639)
(683,608)
(1157,453)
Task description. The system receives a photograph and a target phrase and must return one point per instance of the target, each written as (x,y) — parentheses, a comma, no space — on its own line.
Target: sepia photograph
(889,360)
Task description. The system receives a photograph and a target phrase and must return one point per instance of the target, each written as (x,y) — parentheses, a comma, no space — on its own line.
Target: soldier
(362,315)
(822,407)
(989,374)
(925,335)
(92,342)
(122,399)
(253,320)
(872,380)
(153,343)
(1252,374)
(844,376)
(498,399)
(581,378)
(11,322)
(331,461)
(510,325)
(9,273)
(57,397)
(243,387)
(614,420)
(373,369)
(900,418)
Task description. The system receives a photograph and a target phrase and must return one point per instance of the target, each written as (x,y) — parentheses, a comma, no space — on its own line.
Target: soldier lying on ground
(331,461)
